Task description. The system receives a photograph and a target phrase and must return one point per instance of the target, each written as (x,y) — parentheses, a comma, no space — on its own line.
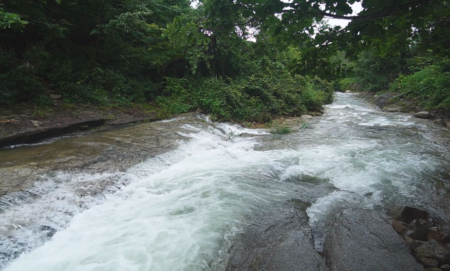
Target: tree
(384,25)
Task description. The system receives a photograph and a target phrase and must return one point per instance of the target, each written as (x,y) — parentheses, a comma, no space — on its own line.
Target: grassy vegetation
(430,86)
(281,130)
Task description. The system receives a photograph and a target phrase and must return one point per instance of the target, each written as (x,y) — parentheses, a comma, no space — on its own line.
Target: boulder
(417,230)
(429,262)
(281,242)
(384,99)
(423,115)
(398,226)
(364,240)
(413,244)
(434,250)
(438,236)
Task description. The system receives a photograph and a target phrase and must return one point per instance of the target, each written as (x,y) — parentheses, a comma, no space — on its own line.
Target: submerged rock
(280,242)
(364,240)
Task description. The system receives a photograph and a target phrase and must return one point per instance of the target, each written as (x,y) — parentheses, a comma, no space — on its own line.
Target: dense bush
(257,98)
(431,85)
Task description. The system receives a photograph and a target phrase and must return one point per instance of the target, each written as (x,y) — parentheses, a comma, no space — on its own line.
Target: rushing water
(182,210)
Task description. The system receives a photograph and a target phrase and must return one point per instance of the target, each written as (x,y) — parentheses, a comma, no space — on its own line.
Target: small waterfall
(182,209)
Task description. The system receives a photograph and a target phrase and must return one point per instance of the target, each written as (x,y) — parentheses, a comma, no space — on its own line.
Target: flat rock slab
(364,240)
(281,242)
(19,125)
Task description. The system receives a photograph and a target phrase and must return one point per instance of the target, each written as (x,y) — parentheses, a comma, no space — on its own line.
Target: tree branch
(384,13)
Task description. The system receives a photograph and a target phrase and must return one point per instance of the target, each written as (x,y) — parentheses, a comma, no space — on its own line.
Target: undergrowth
(430,86)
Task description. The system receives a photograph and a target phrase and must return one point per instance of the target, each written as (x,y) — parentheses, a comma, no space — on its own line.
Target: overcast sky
(343,23)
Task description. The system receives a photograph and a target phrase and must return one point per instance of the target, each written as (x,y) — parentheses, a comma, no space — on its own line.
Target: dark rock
(417,230)
(364,240)
(445,267)
(423,115)
(398,226)
(409,214)
(412,244)
(438,236)
(429,262)
(280,243)
(384,99)
(249,135)
(433,269)
(49,230)
(433,249)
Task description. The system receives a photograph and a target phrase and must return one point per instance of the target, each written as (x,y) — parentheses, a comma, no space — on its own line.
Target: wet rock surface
(364,240)
(281,241)
(113,150)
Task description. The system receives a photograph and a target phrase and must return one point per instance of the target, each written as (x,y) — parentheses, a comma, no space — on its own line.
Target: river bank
(398,102)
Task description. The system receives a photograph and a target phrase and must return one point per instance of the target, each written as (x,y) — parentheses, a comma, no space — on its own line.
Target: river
(182,208)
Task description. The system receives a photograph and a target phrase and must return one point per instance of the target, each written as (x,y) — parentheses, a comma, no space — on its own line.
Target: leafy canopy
(382,24)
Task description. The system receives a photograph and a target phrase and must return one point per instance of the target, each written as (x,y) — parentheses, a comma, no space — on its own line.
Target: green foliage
(431,86)
(350,83)
(18,84)
(10,20)
(119,53)
(256,98)
(177,98)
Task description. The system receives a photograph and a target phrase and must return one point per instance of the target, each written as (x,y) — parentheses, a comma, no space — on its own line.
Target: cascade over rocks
(363,240)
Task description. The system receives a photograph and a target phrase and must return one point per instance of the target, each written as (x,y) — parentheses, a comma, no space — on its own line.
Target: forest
(238,60)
